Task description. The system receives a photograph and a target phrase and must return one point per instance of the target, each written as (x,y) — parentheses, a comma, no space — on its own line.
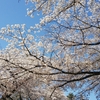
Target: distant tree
(70,96)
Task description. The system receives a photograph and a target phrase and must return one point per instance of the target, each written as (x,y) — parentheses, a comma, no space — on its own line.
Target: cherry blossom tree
(66,57)
(73,38)
(20,64)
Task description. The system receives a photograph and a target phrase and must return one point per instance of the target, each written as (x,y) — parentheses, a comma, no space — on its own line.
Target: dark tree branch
(79,44)
(73,80)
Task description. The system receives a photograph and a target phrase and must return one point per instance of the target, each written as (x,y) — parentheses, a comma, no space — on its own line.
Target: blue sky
(12,12)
